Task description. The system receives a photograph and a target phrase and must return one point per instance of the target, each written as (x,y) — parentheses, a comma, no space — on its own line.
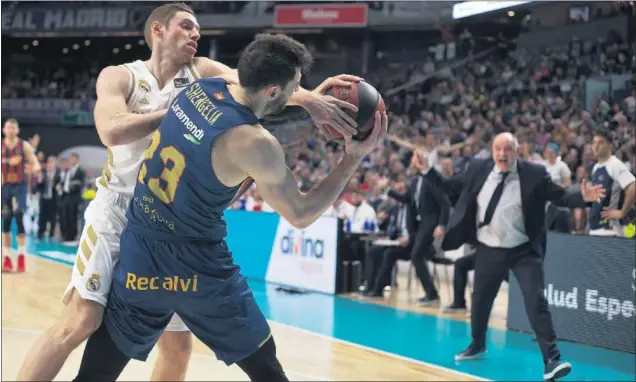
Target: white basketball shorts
(98,251)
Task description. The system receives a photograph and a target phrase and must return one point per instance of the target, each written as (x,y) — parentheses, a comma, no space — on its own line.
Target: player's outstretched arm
(277,184)
(265,163)
(115,125)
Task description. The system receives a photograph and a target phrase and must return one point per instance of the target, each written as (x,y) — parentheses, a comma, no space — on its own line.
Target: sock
(21,250)
(7,252)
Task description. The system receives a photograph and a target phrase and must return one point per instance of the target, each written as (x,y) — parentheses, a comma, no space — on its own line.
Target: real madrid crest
(93,284)
(144,86)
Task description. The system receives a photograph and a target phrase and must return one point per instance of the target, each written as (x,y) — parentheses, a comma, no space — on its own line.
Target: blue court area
(511,356)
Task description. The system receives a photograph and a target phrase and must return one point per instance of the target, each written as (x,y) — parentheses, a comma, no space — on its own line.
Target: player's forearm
(316,201)
(300,98)
(125,128)
(630,196)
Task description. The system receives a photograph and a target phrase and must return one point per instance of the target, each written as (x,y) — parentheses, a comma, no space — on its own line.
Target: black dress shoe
(427,301)
(454,308)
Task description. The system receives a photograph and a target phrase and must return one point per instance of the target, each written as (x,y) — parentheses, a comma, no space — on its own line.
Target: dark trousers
(463,265)
(69,209)
(491,267)
(420,254)
(48,214)
(380,264)
(558,219)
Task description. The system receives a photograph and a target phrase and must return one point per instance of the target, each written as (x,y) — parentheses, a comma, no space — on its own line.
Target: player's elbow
(298,219)
(300,223)
(109,136)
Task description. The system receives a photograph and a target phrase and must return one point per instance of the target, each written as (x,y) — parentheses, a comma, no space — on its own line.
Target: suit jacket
(433,210)
(76,183)
(40,187)
(537,188)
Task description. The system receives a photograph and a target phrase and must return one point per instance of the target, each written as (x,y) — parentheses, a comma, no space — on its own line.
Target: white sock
(8,252)
(21,250)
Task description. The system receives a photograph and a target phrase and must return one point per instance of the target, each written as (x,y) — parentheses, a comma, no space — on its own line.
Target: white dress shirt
(507,228)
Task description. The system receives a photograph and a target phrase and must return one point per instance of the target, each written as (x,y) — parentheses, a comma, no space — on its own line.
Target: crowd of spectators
(539,98)
(452,112)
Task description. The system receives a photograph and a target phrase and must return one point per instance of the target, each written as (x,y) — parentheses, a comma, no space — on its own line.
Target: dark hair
(163,14)
(604,133)
(272,59)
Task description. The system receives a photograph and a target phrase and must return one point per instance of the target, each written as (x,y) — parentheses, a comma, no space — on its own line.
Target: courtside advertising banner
(331,15)
(269,248)
(590,283)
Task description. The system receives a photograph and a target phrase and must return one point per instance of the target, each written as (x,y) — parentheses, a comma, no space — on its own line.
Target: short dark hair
(163,14)
(272,59)
(603,133)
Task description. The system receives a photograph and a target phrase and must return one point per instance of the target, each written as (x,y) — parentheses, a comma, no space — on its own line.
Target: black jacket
(537,188)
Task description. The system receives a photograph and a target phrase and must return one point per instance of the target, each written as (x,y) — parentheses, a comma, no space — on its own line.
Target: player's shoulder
(615,165)
(254,143)
(113,76)
(207,66)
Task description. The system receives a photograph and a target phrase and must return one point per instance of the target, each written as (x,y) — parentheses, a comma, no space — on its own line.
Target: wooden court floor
(31,303)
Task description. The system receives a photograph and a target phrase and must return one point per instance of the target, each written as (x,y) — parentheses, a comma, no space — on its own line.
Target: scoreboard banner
(331,15)
(590,283)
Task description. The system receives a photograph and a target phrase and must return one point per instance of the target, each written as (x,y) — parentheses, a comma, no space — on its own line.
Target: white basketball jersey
(144,96)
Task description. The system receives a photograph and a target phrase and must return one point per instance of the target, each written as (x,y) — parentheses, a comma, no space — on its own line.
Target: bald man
(501,211)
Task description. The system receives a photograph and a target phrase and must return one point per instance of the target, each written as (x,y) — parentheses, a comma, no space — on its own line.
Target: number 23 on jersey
(173,166)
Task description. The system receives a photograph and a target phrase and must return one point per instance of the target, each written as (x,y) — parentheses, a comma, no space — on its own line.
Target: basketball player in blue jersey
(206,152)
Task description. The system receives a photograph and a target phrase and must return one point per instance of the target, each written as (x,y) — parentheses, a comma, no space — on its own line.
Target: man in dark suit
(501,210)
(72,184)
(47,183)
(427,212)
(381,259)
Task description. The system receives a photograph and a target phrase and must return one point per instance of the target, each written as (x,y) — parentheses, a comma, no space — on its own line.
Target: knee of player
(81,323)
(176,345)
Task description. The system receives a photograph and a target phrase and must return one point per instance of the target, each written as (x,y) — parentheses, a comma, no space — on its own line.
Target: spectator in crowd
(363,214)
(381,259)
(46,185)
(71,186)
(427,216)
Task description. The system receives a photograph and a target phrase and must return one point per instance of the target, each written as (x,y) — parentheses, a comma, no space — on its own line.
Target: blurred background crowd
(550,73)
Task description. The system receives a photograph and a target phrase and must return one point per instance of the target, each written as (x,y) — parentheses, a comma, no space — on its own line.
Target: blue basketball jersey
(177,193)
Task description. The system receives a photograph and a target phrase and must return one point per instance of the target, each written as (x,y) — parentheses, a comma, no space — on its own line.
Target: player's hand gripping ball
(367,99)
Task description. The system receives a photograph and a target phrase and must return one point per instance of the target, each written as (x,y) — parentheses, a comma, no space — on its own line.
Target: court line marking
(373,350)
(207,357)
(382,352)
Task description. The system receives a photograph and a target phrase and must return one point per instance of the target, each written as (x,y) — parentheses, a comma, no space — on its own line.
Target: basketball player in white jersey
(132,99)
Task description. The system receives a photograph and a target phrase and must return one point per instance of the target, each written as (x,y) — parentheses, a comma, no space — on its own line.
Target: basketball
(367,99)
